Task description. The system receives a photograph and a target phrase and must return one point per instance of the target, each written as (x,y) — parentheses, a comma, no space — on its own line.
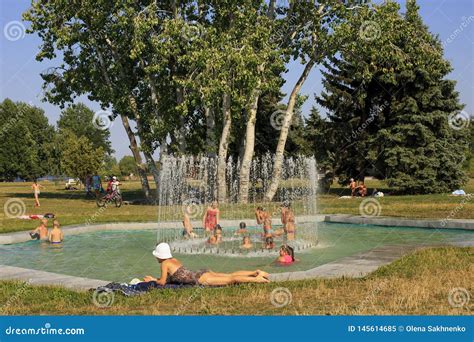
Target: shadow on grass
(127,195)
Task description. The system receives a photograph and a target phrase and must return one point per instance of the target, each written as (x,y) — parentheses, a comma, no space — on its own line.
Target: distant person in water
(290,227)
(246,243)
(56,235)
(259,214)
(36,191)
(218,233)
(41,232)
(188,227)
(173,271)
(211,217)
(287,255)
(242,229)
(269,243)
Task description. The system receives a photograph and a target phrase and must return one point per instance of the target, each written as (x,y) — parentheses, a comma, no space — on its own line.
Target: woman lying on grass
(172,271)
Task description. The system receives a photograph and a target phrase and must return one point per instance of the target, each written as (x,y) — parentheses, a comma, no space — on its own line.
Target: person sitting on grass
(173,271)
(242,229)
(56,235)
(246,243)
(287,255)
(41,232)
(362,190)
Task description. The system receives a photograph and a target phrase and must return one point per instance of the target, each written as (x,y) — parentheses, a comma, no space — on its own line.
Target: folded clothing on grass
(137,289)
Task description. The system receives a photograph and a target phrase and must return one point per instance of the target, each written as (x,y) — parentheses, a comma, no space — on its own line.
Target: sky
(452,20)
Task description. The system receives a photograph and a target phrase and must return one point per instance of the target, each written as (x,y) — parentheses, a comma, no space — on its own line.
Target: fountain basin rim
(23,236)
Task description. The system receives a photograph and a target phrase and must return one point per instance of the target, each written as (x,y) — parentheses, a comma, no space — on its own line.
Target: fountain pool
(123,255)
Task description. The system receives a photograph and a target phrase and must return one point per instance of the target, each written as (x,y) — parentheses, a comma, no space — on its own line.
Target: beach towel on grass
(137,289)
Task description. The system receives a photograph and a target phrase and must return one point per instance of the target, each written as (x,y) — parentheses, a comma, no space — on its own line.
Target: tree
(314,35)
(79,157)
(25,136)
(127,166)
(389,102)
(79,119)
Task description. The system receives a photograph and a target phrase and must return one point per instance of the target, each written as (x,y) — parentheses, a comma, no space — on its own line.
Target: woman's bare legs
(212,279)
(241,273)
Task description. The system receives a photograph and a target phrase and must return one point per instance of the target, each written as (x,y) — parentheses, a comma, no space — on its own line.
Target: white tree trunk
(223,147)
(248,149)
(278,159)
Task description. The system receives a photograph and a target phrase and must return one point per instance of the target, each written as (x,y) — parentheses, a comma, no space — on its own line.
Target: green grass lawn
(417,284)
(71,207)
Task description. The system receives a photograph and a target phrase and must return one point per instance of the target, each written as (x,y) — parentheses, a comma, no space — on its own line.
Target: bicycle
(108,198)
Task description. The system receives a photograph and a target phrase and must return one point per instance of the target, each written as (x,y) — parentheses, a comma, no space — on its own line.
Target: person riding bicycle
(115,186)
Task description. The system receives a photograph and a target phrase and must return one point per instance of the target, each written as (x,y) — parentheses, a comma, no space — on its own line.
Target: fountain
(190,183)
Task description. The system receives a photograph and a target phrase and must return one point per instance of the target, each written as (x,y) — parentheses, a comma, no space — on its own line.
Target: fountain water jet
(190,183)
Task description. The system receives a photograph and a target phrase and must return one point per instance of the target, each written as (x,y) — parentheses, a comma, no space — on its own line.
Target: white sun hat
(162,251)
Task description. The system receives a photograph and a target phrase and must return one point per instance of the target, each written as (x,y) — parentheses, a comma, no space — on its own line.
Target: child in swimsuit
(56,235)
(211,217)
(36,188)
(290,223)
(242,229)
(188,228)
(269,243)
(287,255)
(246,243)
(259,215)
(41,232)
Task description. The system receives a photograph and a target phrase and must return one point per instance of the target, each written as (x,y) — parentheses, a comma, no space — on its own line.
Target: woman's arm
(218,216)
(164,275)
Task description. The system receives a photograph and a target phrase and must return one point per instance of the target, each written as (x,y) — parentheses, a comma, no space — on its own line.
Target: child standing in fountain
(259,214)
(188,228)
(290,222)
(211,217)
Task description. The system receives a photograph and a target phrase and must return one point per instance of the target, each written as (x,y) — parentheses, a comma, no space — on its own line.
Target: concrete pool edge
(40,278)
(465,224)
(355,266)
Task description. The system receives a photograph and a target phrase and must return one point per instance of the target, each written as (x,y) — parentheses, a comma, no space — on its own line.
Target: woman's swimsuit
(185,276)
(211,219)
(287,259)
